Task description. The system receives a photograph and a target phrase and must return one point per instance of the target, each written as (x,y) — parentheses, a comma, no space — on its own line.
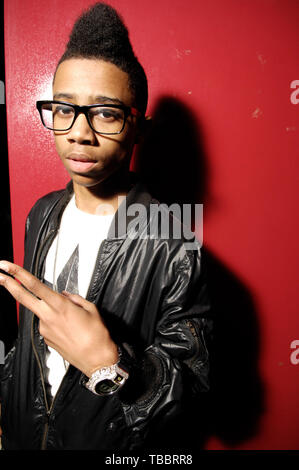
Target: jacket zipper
(199,337)
(50,408)
(48,414)
(40,250)
(193,328)
(43,382)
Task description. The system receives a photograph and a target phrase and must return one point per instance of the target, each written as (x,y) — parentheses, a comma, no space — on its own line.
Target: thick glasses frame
(85,109)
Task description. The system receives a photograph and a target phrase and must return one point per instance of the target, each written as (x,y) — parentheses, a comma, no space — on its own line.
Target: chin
(86,181)
(89,180)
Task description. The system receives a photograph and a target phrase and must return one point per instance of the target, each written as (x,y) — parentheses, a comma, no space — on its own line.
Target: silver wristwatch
(107,380)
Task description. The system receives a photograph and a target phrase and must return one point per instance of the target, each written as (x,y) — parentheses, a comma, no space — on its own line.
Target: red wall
(231,63)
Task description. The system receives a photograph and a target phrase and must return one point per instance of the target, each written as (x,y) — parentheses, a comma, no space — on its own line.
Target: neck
(103,197)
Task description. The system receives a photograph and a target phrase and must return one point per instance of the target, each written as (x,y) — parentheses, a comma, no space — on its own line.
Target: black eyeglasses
(102,118)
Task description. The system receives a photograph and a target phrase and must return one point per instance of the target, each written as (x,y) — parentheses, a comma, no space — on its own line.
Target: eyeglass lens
(60,117)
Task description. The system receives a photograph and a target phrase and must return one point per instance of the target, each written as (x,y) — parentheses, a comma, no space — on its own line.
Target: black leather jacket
(152,296)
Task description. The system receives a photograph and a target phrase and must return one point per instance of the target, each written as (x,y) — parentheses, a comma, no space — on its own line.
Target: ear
(144,125)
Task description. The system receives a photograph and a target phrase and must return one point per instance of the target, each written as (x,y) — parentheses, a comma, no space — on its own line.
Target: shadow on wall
(172,162)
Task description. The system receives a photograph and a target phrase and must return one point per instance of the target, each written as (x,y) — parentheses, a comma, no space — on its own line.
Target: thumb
(77,299)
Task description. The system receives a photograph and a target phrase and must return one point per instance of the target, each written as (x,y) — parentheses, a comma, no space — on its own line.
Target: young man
(113,320)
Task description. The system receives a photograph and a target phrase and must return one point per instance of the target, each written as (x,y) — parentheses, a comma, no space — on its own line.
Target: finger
(32,283)
(21,295)
(78,300)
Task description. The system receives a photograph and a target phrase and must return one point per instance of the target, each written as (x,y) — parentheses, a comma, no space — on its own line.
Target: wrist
(106,358)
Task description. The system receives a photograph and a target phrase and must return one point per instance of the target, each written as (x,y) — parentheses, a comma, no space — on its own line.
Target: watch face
(105,387)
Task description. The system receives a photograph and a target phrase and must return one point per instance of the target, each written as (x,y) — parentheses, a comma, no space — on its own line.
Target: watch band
(107,380)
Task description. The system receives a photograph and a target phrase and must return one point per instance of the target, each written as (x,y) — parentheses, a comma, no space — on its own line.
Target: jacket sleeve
(174,370)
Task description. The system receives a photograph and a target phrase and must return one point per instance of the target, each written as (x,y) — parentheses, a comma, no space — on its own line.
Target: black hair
(100,33)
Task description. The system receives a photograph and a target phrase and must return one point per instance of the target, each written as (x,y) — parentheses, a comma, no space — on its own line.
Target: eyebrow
(96,99)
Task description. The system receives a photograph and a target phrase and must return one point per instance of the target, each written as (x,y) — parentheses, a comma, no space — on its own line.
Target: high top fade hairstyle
(100,33)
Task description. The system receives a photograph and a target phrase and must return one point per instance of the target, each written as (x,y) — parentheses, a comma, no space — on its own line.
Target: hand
(68,322)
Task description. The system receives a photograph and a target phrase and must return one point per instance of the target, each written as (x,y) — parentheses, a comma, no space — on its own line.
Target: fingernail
(4,266)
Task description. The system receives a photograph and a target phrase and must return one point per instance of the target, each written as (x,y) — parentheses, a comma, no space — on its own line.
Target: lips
(80,163)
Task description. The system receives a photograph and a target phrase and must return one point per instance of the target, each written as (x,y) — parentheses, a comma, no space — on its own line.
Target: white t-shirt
(70,262)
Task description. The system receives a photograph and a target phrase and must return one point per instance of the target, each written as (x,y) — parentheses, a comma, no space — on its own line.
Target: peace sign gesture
(69,323)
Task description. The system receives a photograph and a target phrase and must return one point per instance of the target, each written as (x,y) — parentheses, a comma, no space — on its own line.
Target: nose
(81,131)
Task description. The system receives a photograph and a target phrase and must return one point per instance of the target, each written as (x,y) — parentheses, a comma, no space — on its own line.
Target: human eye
(106,114)
(63,110)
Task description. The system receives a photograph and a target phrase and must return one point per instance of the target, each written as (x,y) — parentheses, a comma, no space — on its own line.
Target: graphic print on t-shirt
(68,278)
(80,235)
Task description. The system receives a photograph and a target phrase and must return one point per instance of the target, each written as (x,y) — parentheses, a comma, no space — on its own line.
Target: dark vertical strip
(8,315)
